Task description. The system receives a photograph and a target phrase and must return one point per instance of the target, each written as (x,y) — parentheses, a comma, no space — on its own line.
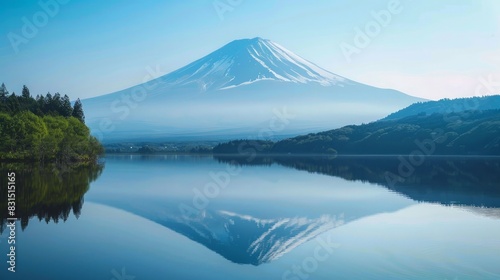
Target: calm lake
(203,217)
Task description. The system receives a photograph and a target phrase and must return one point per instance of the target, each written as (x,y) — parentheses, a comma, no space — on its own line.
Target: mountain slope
(246,61)
(239,90)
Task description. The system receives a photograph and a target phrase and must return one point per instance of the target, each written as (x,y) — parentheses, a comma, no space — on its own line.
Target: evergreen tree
(26,92)
(47,106)
(66,109)
(3,93)
(78,111)
(13,103)
(56,104)
(40,103)
(3,98)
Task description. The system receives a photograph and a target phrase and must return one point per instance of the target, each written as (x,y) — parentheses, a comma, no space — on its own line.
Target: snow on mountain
(249,80)
(246,61)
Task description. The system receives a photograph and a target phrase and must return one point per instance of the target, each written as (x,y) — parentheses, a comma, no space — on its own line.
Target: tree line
(45,128)
(54,105)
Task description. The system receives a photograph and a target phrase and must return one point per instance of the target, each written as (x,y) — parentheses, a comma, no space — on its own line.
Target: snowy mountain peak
(246,81)
(247,61)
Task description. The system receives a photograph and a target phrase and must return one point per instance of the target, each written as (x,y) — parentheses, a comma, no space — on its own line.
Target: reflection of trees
(446,180)
(47,192)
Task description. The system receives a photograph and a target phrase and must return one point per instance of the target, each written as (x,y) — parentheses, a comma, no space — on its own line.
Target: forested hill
(446,105)
(45,128)
(464,133)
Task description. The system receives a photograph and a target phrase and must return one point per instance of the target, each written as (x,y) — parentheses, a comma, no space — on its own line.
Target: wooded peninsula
(47,128)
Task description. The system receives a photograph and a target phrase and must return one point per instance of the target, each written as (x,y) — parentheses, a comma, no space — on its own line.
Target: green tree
(27,103)
(47,104)
(40,103)
(56,104)
(3,98)
(78,111)
(43,129)
(50,145)
(26,92)
(6,131)
(3,93)
(66,109)
(30,130)
(13,104)
(73,145)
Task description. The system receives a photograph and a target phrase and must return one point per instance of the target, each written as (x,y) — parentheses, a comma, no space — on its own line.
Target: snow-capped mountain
(238,91)
(246,61)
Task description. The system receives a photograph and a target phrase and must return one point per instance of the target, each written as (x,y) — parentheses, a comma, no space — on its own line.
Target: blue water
(187,217)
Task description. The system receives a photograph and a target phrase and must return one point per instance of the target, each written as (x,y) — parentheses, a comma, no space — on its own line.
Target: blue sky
(428,48)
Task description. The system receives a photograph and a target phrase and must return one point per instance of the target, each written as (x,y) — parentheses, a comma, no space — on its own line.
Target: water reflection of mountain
(470,181)
(245,239)
(47,192)
(261,229)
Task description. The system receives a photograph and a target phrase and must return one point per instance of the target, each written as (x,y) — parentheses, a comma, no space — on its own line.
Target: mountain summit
(256,88)
(246,61)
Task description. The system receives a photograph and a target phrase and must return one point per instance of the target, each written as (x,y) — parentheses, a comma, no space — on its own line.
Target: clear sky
(426,48)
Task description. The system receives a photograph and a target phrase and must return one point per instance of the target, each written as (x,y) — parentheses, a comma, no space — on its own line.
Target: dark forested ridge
(462,133)
(446,105)
(45,128)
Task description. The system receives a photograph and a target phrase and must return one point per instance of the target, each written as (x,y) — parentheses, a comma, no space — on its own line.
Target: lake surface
(193,217)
